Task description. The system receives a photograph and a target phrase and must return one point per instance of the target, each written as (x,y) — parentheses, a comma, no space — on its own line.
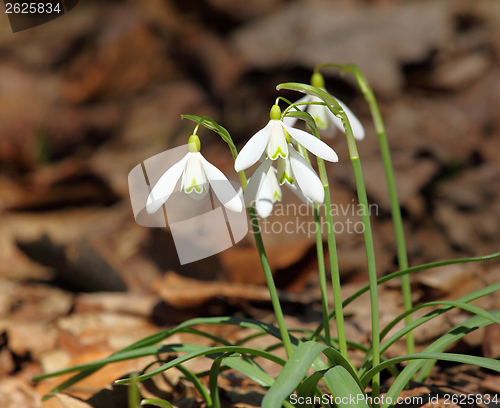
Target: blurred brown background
(87,97)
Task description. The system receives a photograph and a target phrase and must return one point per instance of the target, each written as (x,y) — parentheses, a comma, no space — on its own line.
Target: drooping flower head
(274,139)
(264,191)
(264,187)
(197,175)
(275,143)
(325,120)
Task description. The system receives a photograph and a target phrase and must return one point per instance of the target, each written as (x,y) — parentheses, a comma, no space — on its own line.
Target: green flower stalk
(285,336)
(336,109)
(391,186)
(254,222)
(321,264)
(334,265)
(332,245)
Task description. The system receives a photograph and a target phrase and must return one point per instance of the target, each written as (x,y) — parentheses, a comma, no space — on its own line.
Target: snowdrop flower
(264,186)
(273,141)
(264,192)
(326,121)
(197,173)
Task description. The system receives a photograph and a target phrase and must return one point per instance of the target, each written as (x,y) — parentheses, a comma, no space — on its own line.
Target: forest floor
(89,96)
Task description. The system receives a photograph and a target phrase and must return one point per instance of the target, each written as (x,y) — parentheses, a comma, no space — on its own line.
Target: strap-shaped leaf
(449,338)
(398,274)
(213,383)
(207,351)
(292,374)
(345,388)
(190,376)
(307,390)
(139,348)
(488,363)
(296,368)
(446,306)
(157,402)
(251,370)
(126,355)
(440,344)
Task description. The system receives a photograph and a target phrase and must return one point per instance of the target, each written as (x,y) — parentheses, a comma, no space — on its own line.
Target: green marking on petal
(277,196)
(286,178)
(322,125)
(278,153)
(194,186)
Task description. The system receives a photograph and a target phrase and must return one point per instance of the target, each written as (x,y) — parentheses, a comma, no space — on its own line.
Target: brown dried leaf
(17,393)
(124,60)
(71,402)
(184,292)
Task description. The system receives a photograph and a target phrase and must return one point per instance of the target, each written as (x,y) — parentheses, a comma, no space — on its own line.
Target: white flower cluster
(273,143)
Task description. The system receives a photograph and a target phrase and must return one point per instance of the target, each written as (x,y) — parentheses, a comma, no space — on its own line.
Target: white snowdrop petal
(336,121)
(165,185)
(290,121)
(306,178)
(253,149)
(299,194)
(194,178)
(357,128)
(264,207)
(201,195)
(313,144)
(330,131)
(223,189)
(273,179)
(320,116)
(255,182)
(277,145)
(264,201)
(285,172)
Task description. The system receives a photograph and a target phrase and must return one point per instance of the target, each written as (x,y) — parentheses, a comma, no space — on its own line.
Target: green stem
(369,248)
(254,222)
(270,282)
(285,336)
(321,264)
(334,265)
(335,108)
(322,276)
(393,195)
(391,186)
(372,270)
(278,312)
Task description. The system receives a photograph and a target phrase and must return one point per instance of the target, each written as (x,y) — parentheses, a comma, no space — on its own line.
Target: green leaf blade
(344,388)
(292,374)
